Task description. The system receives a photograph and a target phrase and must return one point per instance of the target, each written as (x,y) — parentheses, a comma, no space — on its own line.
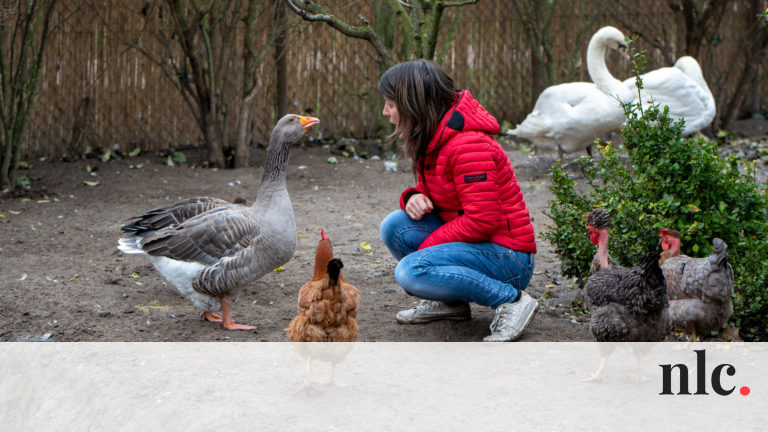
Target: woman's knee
(390,224)
(406,276)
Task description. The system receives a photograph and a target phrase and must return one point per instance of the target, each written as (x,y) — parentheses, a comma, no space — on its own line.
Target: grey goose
(208,248)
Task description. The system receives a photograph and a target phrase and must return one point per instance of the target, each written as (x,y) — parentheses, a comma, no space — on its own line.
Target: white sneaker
(512,318)
(432,310)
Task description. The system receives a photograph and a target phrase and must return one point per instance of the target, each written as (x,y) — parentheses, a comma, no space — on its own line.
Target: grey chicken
(626,304)
(699,289)
(629,304)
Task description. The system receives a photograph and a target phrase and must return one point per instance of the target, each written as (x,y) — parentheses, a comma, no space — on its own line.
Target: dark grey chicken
(628,304)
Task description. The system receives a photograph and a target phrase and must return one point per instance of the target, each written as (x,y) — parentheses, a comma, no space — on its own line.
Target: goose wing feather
(173,214)
(207,238)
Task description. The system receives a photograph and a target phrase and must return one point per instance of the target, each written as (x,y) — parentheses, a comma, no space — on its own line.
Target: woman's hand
(418,205)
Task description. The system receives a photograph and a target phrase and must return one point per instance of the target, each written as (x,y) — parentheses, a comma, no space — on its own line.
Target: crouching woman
(463,233)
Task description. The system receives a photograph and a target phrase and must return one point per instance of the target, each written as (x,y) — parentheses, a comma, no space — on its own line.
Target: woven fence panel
(97,92)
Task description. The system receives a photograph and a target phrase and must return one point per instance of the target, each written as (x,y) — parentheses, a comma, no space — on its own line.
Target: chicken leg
(599,374)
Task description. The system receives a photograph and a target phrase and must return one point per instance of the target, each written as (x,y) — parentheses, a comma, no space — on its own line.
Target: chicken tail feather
(334,269)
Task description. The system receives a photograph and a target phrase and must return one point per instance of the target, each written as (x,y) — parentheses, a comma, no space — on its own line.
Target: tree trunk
(243,132)
(281,66)
(215,152)
(20,72)
(753,54)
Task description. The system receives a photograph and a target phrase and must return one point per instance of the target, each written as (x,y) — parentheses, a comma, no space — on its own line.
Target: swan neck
(598,71)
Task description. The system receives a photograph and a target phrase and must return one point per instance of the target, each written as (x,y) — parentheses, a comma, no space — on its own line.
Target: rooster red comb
(663,232)
(322,234)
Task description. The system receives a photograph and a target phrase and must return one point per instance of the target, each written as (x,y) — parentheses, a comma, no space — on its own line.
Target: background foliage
(665,181)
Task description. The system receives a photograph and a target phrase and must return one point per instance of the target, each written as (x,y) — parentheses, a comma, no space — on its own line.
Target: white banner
(382,386)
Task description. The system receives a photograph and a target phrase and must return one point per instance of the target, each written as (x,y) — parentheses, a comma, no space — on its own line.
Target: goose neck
(276,161)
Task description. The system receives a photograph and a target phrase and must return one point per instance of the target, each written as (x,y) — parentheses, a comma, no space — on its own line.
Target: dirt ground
(62,278)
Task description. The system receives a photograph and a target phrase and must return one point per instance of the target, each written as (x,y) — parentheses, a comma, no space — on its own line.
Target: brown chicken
(327,304)
(699,289)
(327,310)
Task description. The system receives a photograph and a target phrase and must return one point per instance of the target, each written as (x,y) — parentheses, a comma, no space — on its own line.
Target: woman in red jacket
(463,233)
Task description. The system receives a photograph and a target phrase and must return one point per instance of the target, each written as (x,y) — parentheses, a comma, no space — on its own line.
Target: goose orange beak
(308,122)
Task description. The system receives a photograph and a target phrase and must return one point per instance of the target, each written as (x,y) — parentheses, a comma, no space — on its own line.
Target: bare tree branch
(444,5)
(312,12)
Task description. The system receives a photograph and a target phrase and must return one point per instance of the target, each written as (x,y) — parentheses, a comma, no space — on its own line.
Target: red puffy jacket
(471,183)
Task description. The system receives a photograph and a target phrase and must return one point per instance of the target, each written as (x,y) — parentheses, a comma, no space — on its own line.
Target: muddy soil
(62,278)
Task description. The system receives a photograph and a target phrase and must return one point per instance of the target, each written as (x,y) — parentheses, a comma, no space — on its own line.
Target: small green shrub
(658,179)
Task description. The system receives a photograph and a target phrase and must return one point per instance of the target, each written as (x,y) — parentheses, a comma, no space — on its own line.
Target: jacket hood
(466,114)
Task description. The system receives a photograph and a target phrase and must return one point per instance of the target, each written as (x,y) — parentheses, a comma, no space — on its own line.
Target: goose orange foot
(210,317)
(225,318)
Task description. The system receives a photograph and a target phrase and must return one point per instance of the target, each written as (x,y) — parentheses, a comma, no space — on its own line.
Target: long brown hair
(422,93)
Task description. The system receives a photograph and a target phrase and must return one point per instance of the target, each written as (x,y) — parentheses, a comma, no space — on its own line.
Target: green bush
(657,179)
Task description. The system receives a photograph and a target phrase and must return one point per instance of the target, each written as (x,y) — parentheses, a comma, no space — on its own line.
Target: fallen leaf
(25,200)
(302,236)
(134,275)
(14,212)
(365,246)
(43,201)
(135,152)
(2,216)
(279,269)
(51,279)
(77,275)
(91,183)
(332,160)
(179,157)
(32,228)
(377,261)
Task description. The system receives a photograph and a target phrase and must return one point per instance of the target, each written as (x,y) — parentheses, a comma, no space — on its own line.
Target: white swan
(570,116)
(683,89)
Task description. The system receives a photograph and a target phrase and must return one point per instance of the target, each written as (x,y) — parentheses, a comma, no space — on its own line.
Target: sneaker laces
(427,305)
(501,318)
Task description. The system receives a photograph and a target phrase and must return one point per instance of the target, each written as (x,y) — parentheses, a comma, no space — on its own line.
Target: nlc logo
(701,377)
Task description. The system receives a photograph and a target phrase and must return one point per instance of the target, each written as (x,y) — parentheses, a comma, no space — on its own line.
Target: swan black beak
(623,51)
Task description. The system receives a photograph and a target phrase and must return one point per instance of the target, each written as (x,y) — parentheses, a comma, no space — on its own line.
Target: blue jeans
(484,273)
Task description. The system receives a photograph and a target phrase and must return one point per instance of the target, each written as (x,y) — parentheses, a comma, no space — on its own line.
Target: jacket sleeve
(475,176)
(407,194)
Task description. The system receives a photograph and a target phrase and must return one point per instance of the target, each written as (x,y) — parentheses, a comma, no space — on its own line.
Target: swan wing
(572,115)
(685,98)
